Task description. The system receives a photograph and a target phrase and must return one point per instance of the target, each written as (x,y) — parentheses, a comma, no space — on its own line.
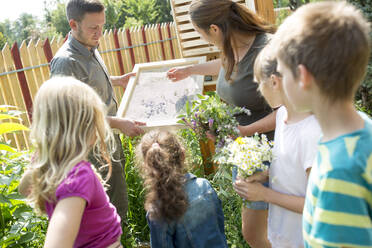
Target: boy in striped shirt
(323,51)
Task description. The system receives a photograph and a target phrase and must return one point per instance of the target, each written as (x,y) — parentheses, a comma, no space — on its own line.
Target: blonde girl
(68,122)
(182,210)
(295,145)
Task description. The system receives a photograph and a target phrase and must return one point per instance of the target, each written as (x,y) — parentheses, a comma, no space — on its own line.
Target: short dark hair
(76,9)
(331,39)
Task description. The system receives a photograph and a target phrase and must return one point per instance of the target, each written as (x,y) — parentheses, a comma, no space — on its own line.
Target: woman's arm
(257,192)
(65,223)
(209,68)
(263,125)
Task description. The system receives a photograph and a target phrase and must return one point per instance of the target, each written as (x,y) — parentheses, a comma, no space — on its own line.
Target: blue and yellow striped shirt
(338,205)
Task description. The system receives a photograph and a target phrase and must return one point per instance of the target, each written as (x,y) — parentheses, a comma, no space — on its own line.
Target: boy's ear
(73,24)
(306,78)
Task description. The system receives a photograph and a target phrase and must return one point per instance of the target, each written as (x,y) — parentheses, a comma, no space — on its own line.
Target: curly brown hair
(163,168)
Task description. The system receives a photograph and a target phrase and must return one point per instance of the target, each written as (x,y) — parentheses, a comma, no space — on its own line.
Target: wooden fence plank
(26,61)
(7,97)
(123,42)
(17,98)
(175,41)
(45,71)
(32,52)
(118,54)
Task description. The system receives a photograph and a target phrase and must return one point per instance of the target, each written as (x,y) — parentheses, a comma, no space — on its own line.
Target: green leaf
(7,116)
(5,147)
(8,127)
(188,110)
(4,199)
(200,96)
(26,238)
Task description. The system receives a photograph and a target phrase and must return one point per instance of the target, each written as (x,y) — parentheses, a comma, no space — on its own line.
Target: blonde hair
(163,169)
(331,39)
(68,121)
(265,65)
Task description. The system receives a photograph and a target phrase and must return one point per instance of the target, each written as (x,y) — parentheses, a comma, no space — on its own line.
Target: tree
(55,16)
(2,41)
(144,10)
(115,16)
(164,10)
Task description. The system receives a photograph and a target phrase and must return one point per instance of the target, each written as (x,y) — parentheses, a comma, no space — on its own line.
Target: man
(79,58)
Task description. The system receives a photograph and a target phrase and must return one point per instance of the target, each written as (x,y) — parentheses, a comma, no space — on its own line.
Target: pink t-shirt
(100,223)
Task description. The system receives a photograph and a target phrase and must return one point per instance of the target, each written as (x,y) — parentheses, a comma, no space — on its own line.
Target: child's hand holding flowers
(250,158)
(250,191)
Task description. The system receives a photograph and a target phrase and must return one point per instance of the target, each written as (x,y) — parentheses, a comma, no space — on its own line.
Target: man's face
(293,90)
(89,30)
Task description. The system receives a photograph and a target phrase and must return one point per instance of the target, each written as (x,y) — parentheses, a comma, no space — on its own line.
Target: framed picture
(152,98)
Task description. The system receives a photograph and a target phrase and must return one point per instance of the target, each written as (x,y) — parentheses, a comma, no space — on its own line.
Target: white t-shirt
(295,147)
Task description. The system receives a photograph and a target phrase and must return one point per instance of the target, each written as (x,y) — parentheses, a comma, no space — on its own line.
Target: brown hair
(163,171)
(265,64)
(331,39)
(231,18)
(76,9)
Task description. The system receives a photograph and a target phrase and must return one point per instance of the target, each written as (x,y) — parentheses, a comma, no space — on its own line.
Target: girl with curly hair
(182,210)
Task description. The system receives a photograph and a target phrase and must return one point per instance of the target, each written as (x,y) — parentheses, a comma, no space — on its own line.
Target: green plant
(136,230)
(363,96)
(210,114)
(19,225)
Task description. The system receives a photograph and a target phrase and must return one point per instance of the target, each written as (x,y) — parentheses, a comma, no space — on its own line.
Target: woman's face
(213,36)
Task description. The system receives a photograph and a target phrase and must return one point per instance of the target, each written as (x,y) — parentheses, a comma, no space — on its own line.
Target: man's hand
(128,127)
(122,80)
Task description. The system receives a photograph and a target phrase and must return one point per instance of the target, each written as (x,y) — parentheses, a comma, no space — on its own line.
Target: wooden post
(145,42)
(22,80)
(170,41)
(47,50)
(162,42)
(118,53)
(130,49)
(207,150)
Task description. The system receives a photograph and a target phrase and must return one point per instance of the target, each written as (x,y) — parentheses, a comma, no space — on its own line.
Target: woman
(240,35)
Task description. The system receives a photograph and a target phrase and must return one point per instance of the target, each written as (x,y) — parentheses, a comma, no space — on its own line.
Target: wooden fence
(24,68)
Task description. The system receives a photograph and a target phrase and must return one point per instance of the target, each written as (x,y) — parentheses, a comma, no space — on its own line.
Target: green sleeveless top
(243,92)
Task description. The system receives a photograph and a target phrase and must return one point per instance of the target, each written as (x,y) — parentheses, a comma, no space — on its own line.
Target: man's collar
(80,47)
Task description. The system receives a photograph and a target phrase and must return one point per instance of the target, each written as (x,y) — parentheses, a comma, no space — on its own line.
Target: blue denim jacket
(201,226)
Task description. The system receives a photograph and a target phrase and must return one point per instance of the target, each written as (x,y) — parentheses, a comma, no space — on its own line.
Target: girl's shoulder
(81,178)
(197,187)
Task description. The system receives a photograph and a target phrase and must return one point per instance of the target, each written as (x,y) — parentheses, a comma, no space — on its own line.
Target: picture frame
(152,98)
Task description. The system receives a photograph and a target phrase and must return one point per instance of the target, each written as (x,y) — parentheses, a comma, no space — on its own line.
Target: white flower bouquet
(248,154)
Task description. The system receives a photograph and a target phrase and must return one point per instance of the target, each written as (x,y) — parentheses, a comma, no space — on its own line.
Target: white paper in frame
(152,98)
